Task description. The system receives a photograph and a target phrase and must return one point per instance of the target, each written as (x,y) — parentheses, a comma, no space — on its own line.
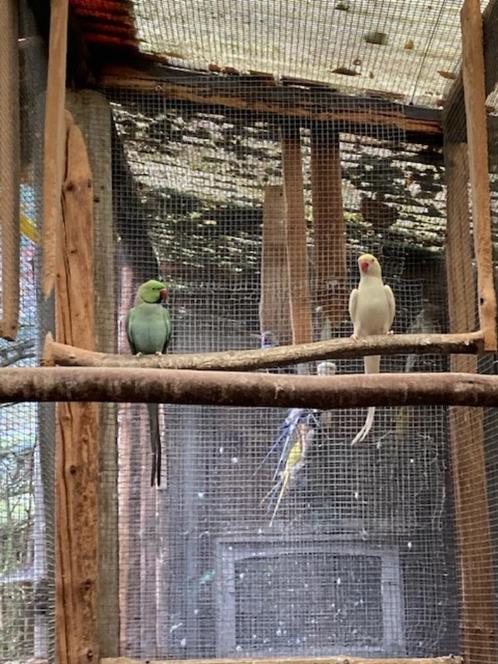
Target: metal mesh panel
(359,556)
(26,447)
(356,554)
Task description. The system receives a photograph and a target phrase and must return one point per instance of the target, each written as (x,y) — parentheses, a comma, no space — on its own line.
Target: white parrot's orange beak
(364,265)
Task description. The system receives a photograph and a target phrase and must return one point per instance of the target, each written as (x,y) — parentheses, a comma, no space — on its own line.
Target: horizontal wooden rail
(216,388)
(421,344)
(301,100)
(450,659)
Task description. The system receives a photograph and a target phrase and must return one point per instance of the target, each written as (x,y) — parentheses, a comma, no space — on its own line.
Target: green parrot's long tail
(155,443)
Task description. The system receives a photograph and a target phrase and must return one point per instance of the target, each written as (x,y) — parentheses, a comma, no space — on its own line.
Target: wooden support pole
(92,114)
(328,219)
(477,139)
(274,306)
(9,171)
(215,388)
(54,141)
(477,610)
(297,254)
(420,344)
(454,113)
(77,424)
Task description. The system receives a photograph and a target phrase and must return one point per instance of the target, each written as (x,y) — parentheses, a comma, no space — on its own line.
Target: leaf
(447,74)
(379,38)
(345,71)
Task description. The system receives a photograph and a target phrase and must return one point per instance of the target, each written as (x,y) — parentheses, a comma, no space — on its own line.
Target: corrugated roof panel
(107,21)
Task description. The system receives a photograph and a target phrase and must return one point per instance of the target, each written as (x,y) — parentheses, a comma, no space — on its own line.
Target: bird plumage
(372,308)
(294,438)
(148,328)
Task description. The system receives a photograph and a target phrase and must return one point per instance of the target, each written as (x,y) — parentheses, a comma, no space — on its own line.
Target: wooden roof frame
(262,95)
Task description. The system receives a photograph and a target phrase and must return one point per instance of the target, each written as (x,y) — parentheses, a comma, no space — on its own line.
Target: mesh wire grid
(360,556)
(26,434)
(213,571)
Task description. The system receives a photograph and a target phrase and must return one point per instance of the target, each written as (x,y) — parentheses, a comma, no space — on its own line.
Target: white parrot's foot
(391,332)
(361,435)
(355,337)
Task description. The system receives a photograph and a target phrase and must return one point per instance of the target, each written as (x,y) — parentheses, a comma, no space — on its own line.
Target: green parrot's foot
(158,352)
(138,354)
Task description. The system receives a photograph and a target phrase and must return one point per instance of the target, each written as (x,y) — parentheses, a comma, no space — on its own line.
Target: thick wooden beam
(216,388)
(274,313)
(329,226)
(262,95)
(54,141)
(92,114)
(296,234)
(451,659)
(477,138)
(9,171)
(77,424)
(420,344)
(477,609)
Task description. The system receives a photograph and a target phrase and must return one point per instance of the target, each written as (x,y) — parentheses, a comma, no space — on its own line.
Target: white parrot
(372,308)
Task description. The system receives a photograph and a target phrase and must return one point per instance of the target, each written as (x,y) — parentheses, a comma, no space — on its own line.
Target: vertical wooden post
(328,220)
(54,140)
(297,255)
(77,423)
(274,306)
(477,138)
(130,499)
(148,549)
(92,113)
(9,170)
(466,431)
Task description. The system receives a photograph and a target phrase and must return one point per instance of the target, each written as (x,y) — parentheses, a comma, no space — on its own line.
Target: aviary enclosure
(247,153)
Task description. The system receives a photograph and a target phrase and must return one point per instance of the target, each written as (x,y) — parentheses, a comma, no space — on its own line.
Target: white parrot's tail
(372,365)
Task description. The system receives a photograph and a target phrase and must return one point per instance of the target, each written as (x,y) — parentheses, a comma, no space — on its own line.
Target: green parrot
(148,328)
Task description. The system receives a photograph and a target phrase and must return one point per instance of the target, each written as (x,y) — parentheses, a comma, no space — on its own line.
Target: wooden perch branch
(215,388)
(420,344)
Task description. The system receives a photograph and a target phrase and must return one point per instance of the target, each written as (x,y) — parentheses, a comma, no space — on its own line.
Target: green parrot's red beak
(163,294)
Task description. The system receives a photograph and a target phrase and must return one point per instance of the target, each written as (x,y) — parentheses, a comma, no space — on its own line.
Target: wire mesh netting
(357,553)
(270,534)
(26,442)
